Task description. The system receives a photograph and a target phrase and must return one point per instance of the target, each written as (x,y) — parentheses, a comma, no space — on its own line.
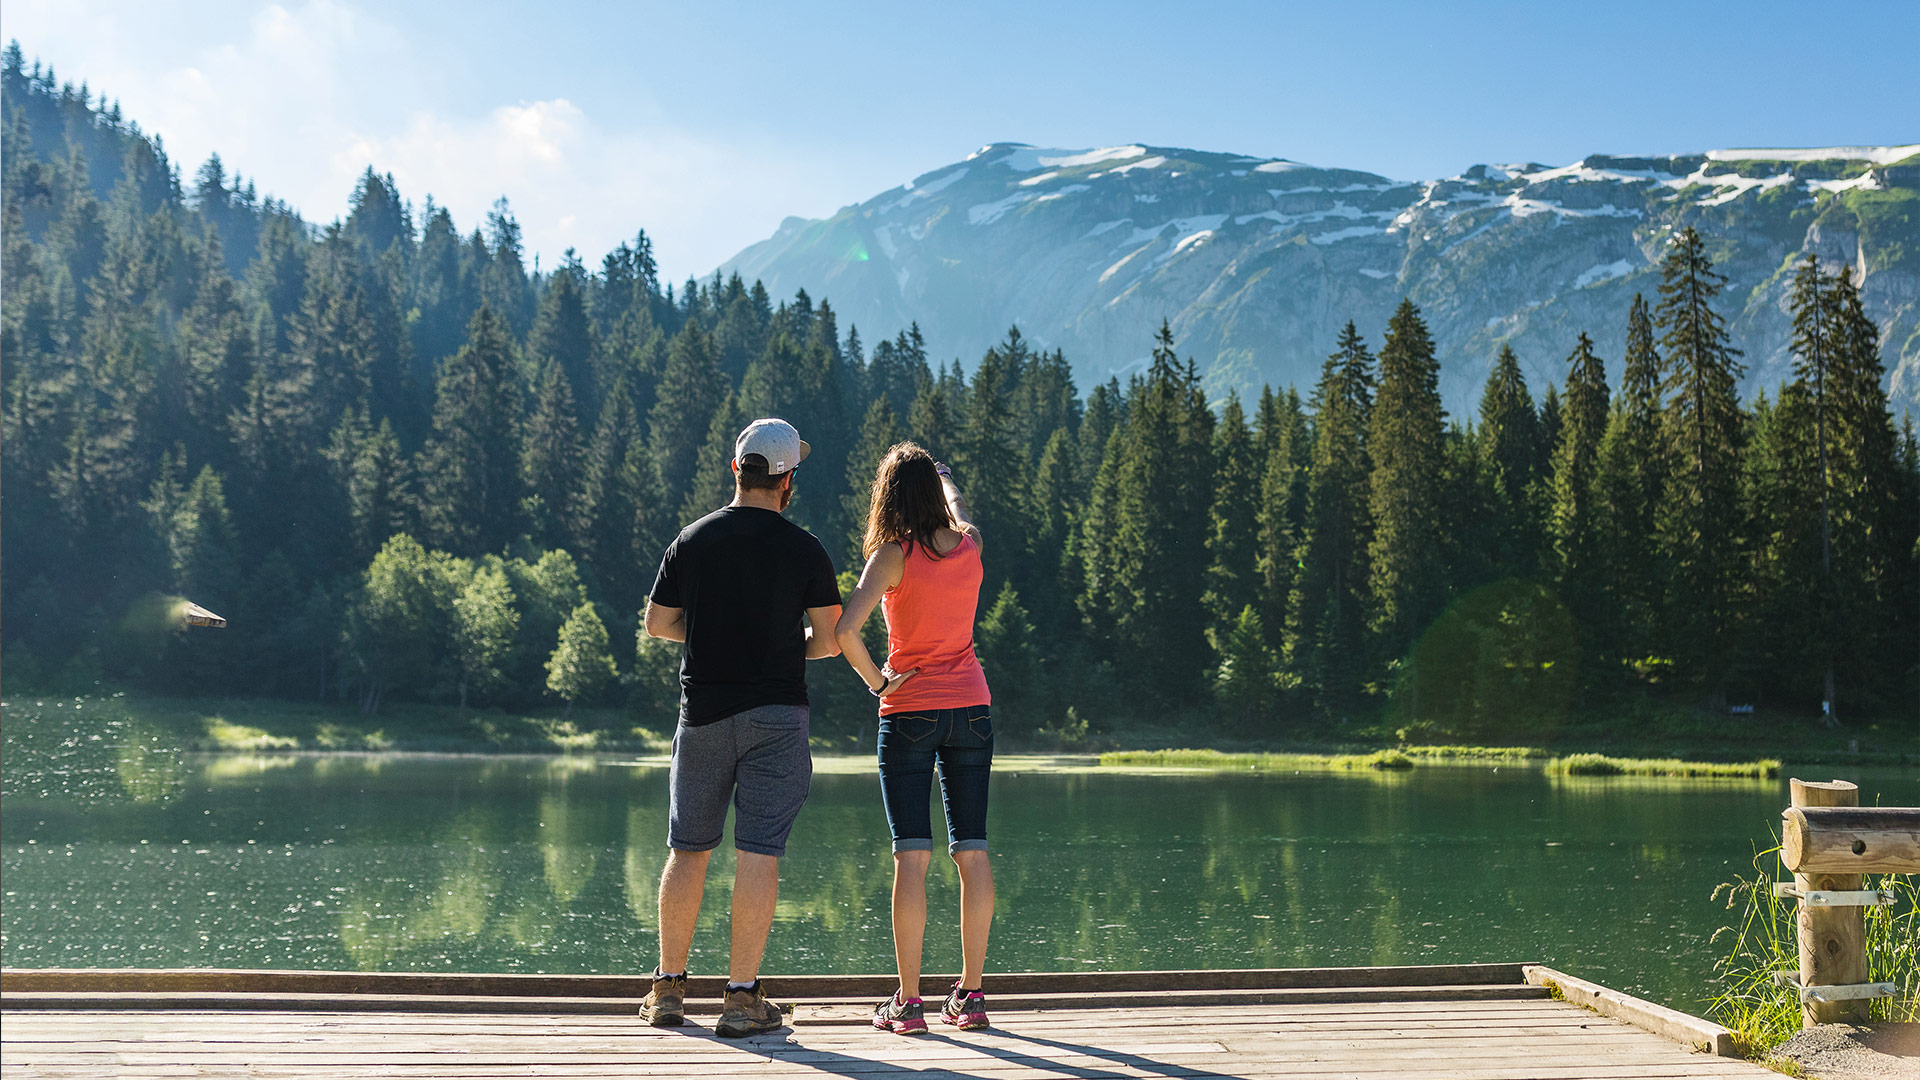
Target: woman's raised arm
(957,504)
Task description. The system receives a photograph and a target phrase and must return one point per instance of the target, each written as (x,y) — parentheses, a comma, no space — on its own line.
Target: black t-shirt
(745,577)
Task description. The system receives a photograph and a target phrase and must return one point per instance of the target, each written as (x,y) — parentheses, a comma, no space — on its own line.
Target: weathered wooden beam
(212,980)
(1851,840)
(1667,1023)
(807,1009)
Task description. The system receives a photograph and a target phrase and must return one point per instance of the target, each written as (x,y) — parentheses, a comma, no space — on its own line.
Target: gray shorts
(759,759)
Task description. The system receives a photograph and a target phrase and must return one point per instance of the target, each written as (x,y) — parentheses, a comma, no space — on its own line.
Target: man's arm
(821,642)
(666,623)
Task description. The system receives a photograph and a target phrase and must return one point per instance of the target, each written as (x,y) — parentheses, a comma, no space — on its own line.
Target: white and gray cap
(775,441)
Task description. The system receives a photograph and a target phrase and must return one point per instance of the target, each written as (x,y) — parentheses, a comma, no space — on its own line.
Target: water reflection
(142,858)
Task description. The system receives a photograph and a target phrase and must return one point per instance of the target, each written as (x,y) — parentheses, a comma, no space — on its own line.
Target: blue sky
(707,123)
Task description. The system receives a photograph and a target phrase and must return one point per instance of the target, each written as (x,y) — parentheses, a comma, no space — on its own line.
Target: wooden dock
(1494,1022)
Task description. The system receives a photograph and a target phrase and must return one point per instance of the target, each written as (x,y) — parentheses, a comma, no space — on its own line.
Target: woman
(923,567)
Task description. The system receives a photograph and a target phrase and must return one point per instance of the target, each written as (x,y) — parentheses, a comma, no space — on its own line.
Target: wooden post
(1833,940)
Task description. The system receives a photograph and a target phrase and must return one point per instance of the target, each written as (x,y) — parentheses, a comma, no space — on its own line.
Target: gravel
(1845,1052)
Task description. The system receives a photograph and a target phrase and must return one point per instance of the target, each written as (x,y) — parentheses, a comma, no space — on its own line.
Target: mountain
(1258,262)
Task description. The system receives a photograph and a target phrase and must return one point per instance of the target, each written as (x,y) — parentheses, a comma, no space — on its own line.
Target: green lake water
(421,863)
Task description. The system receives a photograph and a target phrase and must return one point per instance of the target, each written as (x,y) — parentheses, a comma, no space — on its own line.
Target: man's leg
(756,889)
(774,773)
(682,884)
(699,785)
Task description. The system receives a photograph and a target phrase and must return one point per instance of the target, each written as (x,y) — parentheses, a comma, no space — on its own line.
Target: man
(734,587)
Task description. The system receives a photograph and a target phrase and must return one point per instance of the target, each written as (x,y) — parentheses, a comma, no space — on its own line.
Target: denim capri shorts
(912,743)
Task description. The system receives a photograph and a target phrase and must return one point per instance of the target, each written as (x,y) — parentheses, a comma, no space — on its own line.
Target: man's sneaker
(748,1012)
(666,1004)
(901,1017)
(965,1009)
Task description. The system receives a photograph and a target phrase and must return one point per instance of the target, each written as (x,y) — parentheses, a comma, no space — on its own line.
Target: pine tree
(1056,506)
(1874,510)
(563,333)
(550,455)
(931,421)
(878,432)
(1629,484)
(1233,526)
(1405,437)
(1509,444)
(691,389)
(991,457)
(1009,654)
(1286,444)
(1577,561)
(1326,627)
(603,512)
(1699,518)
(1244,684)
(1814,345)
(471,464)
(1156,556)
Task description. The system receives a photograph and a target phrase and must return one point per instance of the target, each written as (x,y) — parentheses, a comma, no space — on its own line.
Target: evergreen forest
(407,466)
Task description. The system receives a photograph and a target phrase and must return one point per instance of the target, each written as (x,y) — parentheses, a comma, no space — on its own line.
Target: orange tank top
(930,627)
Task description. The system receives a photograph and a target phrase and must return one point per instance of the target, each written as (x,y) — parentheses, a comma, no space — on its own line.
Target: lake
(528,864)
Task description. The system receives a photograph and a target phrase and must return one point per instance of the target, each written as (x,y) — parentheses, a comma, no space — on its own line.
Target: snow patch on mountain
(1879,155)
(1065,191)
(926,190)
(1604,272)
(1351,232)
(988,213)
(1029,158)
(1866,181)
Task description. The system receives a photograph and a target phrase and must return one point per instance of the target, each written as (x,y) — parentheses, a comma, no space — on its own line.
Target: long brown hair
(907,504)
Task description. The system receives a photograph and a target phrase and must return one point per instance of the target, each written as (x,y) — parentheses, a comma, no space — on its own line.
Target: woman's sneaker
(965,1009)
(907,1017)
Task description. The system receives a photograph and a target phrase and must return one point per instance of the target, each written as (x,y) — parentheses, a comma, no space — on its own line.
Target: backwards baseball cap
(775,441)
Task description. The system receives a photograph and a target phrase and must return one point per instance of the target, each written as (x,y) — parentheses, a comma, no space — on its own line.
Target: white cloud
(302,97)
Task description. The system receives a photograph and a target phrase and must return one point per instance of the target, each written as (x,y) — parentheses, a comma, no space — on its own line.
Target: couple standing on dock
(753,597)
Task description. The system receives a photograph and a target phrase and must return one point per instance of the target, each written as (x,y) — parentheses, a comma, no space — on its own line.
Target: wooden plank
(1368,1040)
(295,1002)
(151,981)
(1667,1023)
(1438,1070)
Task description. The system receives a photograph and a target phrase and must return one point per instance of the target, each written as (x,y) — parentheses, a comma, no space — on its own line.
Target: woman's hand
(893,680)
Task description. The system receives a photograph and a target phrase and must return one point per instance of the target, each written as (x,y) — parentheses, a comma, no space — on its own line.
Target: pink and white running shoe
(965,1009)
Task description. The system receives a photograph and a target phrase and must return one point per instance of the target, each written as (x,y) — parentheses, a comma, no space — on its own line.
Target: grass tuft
(230,736)
(1764,943)
(1217,760)
(1601,765)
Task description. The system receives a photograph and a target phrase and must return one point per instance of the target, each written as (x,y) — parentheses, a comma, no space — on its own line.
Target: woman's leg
(976,913)
(909,916)
(906,754)
(966,766)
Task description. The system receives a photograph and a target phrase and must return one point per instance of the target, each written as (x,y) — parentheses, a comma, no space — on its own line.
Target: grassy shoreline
(1676,743)
(1415,756)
